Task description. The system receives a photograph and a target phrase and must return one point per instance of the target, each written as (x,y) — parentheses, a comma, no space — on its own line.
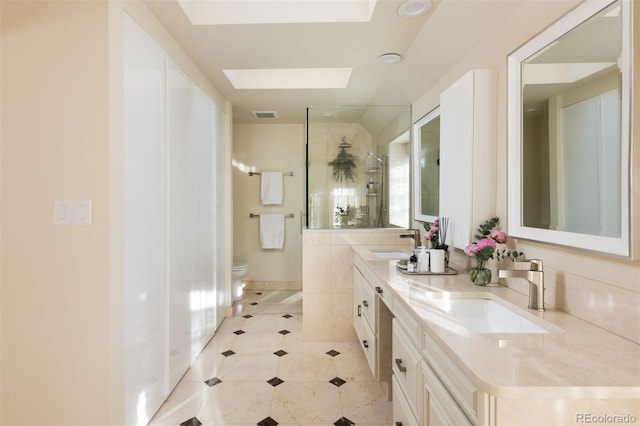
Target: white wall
(277,147)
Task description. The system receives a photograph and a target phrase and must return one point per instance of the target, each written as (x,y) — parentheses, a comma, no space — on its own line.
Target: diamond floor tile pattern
(261,383)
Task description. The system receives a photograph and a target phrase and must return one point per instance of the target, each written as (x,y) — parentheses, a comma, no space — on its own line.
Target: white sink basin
(487,316)
(389,254)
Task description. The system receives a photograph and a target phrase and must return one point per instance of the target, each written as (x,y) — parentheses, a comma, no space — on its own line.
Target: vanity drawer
(368,344)
(457,384)
(402,414)
(384,292)
(366,299)
(408,322)
(440,409)
(406,365)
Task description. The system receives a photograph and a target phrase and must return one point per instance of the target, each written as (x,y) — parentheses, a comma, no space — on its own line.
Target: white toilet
(239,270)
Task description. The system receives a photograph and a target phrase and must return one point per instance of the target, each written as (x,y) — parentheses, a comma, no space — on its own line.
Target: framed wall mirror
(569,91)
(426,166)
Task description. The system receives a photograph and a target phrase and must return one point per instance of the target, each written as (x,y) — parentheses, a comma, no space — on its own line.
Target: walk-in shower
(357,161)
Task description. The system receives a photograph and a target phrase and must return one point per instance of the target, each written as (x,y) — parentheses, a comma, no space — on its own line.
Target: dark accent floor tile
(333,352)
(283,332)
(228,353)
(191,422)
(259,293)
(337,381)
(280,353)
(247,316)
(275,381)
(267,422)
(343,421)
(213,381)
(238,332)
(287,316)
(253,303)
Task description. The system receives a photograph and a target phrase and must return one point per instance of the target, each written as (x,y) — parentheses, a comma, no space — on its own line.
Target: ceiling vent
(265,114)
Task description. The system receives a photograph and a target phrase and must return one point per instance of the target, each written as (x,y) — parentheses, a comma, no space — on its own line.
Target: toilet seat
(238,266)
(239,270)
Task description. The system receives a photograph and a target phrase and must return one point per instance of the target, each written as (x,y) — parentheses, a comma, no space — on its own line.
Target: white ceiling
(430,45)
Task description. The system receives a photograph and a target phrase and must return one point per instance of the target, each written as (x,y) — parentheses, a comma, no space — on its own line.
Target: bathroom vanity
(450,352)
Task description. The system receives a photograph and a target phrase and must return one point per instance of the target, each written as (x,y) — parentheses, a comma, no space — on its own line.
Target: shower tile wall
(324,139)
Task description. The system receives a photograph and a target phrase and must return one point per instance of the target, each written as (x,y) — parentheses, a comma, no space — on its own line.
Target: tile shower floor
(257,370)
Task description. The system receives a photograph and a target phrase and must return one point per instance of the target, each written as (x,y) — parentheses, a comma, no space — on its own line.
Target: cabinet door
(467,153)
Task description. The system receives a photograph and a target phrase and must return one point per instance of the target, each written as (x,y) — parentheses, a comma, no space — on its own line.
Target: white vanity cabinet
(372,323)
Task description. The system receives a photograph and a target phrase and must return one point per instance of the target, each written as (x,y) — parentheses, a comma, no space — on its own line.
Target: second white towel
(272,231)
(271,188)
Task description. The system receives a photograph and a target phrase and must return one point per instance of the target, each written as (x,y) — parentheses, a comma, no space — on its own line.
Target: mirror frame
(584,11)
(417,179)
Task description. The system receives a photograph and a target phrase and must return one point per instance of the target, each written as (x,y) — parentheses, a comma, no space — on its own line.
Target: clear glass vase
(480,275)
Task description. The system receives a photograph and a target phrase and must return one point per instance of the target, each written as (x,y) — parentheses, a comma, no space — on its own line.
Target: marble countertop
(575,359)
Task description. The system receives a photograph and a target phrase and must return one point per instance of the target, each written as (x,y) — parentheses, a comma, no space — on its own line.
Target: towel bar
(283,174)
(288,216)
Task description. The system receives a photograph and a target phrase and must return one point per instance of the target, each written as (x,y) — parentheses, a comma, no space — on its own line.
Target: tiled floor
(257,370)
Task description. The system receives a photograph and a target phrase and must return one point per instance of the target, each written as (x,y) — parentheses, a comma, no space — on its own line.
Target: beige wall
(328,279)
(55,142)
(61,137)
(568,267)
(277,147)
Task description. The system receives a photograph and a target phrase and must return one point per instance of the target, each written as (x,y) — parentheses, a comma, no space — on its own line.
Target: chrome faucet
(415,236)
(535,276)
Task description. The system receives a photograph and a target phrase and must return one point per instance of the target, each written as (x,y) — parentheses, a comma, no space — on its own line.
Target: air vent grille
(265,114)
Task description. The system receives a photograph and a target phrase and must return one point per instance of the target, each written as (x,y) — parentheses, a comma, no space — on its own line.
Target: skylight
(226,12)
(290,78)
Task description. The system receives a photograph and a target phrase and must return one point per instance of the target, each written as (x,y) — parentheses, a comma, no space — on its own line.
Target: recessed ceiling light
(411,8)
(389,58)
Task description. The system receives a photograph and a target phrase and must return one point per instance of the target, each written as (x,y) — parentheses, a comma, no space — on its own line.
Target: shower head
(376,157)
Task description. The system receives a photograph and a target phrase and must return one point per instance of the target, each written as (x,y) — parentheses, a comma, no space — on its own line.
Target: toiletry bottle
(411,264)
(423,260)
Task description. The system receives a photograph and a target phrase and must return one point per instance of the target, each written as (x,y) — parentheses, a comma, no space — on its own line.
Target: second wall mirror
(426,166)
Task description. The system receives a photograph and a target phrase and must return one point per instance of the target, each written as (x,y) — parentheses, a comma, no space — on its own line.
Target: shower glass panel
(357,161)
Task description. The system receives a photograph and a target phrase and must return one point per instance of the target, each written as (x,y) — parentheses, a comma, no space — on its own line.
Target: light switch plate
(72,212)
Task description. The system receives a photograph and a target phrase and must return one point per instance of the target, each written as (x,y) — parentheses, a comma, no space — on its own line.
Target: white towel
(272,231)
(271,188)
